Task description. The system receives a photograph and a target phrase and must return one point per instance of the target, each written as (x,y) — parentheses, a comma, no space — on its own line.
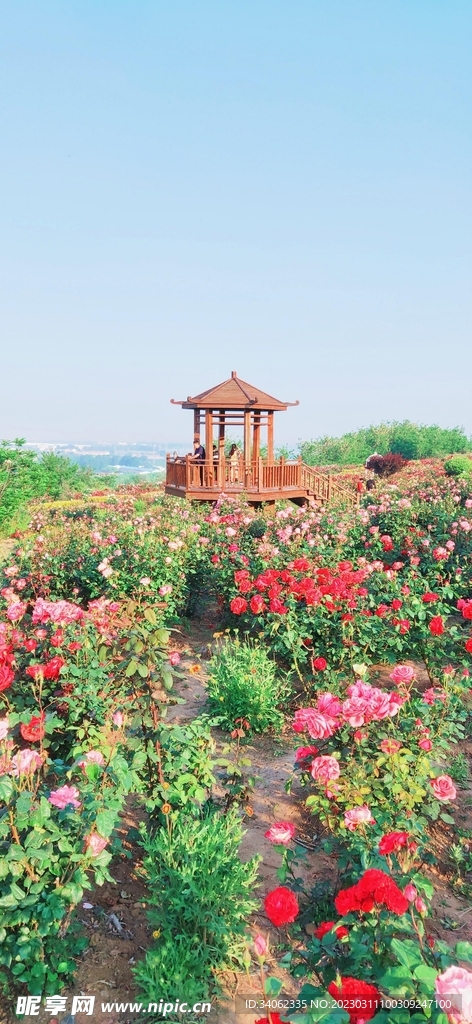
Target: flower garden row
(87,595)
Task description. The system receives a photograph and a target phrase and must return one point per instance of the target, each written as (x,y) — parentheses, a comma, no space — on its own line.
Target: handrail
(255,475)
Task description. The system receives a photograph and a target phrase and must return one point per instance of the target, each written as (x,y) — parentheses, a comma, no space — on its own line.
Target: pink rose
(425,744)
(3,728)
(434,694)
(64,796)
(281,832)
(92,757)
(25,762)
(95,844)
(402,675)
(325,768)
(443,788)
(118,719)
(166,589)
(318,726)
(174,658)
(145,581)
(358,816)
(16,611)
(327,704)
(420,906)
(455,986)
(410,892)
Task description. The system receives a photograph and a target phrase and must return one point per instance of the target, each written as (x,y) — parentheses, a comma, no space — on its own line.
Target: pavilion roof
(233,393)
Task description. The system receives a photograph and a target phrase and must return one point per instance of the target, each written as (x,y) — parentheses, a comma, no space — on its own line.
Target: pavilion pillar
(256,446)
(221,449)
(196,423)
(209,446)
(270,435)
(247,443)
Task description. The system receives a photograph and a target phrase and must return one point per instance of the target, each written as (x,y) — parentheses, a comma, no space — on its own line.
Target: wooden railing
(258,475)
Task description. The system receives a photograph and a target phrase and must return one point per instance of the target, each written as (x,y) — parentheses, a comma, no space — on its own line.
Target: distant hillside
(412,440)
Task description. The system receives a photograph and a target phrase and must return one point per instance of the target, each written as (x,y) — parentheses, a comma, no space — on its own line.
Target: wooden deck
(259,481)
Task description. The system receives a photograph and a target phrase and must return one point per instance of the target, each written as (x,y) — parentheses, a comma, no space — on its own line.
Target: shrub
(458,465)
(201,895)
(243,683)
(386,465)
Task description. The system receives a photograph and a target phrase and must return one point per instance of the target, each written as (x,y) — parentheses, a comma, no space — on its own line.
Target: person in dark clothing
(199,453)
(199,456)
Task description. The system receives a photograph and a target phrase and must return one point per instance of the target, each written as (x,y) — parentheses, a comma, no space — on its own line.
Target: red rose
(281,906)
(467,610)
(277,606)
(257,604)
(319,664)
(468,645)
(34,730)
(53,667)
(392,841)
(238,605)
(359,999)
(396,604)
(374,888)
(381,610)
(436,626)
(274,1016)
(6,677)
(327,926)
(429,598)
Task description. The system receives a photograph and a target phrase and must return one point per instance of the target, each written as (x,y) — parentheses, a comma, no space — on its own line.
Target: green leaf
(132,668)
(143,670)
(150,616)
(272,986)
(106,821)
(426,974)
(406,951)
(6,789)
(398,981)
(464,951)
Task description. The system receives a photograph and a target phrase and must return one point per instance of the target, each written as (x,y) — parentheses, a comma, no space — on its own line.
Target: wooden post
(221,450)
(256,447)
(247,445)
(260,474)
(188,465)
(329,487)
(208,468)
(270,435)
(196,423)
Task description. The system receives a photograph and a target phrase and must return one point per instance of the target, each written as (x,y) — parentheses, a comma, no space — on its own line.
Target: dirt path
(105,970)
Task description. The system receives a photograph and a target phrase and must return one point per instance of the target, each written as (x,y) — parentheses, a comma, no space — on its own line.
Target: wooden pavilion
(236,403)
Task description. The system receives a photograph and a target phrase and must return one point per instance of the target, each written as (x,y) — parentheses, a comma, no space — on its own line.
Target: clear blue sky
(280,188)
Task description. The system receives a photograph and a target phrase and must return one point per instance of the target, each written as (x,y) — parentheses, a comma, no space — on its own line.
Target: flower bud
(260,946)
(420,906)
(410,892)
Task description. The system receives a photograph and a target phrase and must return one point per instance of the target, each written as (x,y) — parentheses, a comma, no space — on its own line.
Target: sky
(196,187)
